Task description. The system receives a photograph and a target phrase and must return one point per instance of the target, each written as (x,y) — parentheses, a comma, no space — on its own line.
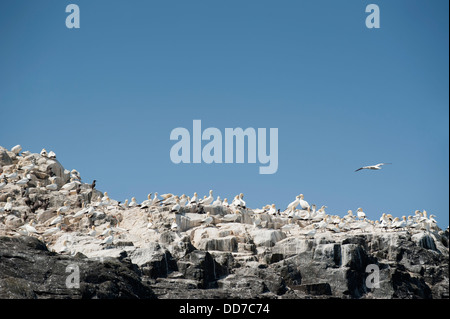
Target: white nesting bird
(108,240)
(53,186)
(65,208)
(16,149)
(288,227)
(133,202)
(272,210)
(194,199)
(311,233)
(43,153)
(174,225)
(208,200)
(68,186)
(241,198)
(207,220)
(225,203)
(57,220)
(51,154)
(148,201)
(124,205)
(183,200)
(295,203)
(372,167)
(29,228)
(52,231)
(360,213)
(323,223)
(8,206)
(12,175)
(231,217)
(23,181)
(176,208)
(217,202)
(303,203)
(92,232)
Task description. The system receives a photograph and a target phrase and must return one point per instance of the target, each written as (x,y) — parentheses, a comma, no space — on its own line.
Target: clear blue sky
(105,97)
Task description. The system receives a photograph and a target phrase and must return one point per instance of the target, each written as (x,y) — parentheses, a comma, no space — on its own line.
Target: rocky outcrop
(29,270)
(148,251)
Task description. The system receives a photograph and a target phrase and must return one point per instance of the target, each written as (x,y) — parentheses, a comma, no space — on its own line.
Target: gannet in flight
(373,167)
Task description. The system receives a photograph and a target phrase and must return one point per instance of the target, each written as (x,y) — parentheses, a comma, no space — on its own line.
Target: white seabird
(16,149)
(217,202)
(208,200)
(294,203)
(303,203)
(360,213)
(372,167)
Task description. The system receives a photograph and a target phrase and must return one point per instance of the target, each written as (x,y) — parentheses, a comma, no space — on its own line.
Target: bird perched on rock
(43,153)
(360,213)
(207,220)
(303,203)
(208,200)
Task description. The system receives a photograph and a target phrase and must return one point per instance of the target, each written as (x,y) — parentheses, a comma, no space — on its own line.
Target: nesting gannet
(360,213)
(43,153)
(69,186)
(53,186)
(294,203)
(225,202)
(8,206)
(174,225)
(272,210)
(231,217)
(311,233)
(323,223)
(303,203)
(52,231)
(80,213)
(29,228)
(22,181)
(176,208)
(65,208)
(28,167)
(373,167)
(133,202)
(92,232)
(217,202)
(241,198)
(108,240)
(107,231)
(287,227)
(183,200)
(208,220)
(58,219)
(194,199)
(124,205)
(12,175)
(16,149)
(148,201)
(51,154)
(399,224)
(208,200)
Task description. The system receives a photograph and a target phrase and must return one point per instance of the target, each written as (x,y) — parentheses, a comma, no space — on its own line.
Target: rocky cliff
(70,240)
